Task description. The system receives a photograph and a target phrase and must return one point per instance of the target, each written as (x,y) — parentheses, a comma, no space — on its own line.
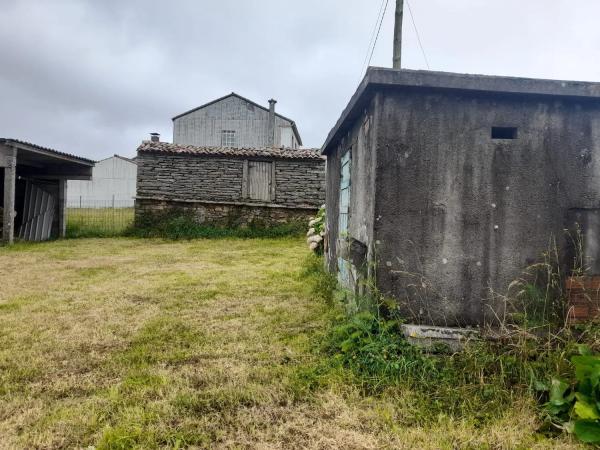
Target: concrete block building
(443,187)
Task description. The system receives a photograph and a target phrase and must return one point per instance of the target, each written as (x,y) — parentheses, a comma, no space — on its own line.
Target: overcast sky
(94,77)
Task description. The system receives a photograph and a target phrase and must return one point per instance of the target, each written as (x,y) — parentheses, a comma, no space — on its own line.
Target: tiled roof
(18,143)
(179,149)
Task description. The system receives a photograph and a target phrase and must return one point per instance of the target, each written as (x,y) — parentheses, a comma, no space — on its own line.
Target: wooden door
(259,180)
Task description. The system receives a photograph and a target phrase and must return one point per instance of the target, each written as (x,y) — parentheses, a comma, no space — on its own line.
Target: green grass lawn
(98,222)
(133,343)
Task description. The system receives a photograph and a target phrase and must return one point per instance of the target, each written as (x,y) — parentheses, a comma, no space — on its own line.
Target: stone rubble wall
(211,187)
(229,215)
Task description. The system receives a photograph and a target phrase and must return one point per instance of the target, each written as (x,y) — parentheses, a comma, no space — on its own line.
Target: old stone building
(230,186)
(443,187)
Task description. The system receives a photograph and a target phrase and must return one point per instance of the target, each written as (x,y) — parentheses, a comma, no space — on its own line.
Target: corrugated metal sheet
(38,214)
(113,179)
(203,127)
(259,180)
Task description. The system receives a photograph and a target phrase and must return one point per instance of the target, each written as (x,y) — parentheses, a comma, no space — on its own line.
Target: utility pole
(398,34)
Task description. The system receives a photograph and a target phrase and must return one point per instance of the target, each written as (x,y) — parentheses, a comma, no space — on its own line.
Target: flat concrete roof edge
(427,79)
(486,83)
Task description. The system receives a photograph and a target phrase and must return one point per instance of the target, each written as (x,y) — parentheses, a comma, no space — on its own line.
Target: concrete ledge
(378,77)
(427,336)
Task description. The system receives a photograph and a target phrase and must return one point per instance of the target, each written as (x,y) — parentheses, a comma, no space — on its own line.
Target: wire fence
(96,218)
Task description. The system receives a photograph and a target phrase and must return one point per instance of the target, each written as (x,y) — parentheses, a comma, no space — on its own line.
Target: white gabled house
(113,183)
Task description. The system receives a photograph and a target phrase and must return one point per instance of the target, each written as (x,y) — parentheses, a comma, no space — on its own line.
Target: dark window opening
(504,132)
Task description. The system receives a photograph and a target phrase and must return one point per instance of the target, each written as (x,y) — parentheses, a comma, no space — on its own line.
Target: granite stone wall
(221,214)
(213,188)
(300,182)
(189,177)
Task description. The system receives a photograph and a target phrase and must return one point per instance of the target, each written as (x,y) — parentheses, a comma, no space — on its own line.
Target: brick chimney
(155,137)
(271,124)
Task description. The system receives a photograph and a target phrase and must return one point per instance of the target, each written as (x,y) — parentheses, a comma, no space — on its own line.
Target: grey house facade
(444,187)
(229,186)
(234,121)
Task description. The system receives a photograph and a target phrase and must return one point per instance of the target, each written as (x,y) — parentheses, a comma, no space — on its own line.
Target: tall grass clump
(322,283)
(513,361)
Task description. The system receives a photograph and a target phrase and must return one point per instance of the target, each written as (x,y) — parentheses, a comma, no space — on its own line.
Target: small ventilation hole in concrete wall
(504,132)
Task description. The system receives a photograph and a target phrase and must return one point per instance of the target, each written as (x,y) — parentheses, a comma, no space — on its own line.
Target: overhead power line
(412,18)
(378,30)
(374,36)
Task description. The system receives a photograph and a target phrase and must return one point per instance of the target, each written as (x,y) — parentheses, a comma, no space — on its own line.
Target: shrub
(575,407)
(315,237)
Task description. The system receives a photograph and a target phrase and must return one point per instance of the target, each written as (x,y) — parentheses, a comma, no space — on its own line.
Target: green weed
(178,224)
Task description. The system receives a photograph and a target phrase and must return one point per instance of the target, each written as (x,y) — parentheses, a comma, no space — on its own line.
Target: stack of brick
(584,298)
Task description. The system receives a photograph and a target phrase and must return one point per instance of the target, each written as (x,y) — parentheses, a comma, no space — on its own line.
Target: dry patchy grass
(128,343)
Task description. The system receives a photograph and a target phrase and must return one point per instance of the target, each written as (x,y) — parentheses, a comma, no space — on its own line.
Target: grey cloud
(94,77)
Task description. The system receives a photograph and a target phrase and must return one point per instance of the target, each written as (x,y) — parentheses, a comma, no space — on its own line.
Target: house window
(259,180)
(228,138)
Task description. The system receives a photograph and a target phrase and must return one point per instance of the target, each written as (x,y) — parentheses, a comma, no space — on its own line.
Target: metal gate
(344,213)
(259,180)
(38,213)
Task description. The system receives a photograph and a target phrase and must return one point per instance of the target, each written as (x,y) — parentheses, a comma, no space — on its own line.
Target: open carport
(33,188)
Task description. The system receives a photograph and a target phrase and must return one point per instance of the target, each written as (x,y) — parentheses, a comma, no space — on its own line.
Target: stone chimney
(155,137)
(271,124)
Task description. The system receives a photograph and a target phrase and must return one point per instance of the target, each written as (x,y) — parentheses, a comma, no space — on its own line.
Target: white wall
(112,178)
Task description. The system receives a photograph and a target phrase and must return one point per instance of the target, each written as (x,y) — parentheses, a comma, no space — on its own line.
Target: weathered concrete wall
(464,213)
(360,141)
(332,206)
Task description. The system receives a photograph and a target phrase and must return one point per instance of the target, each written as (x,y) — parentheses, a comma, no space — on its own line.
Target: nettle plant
(576,407)
(316,232)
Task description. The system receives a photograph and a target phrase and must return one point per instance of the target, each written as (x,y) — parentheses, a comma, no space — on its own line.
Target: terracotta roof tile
(180,149)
